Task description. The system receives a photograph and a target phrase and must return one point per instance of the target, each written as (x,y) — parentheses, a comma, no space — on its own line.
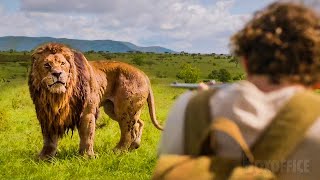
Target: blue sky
(11,5)
(183,25)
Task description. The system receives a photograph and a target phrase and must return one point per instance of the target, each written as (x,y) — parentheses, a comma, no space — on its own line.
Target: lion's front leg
(49,149)
(86,132)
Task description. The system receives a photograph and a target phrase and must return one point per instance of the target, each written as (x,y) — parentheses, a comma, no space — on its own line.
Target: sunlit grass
(21,140)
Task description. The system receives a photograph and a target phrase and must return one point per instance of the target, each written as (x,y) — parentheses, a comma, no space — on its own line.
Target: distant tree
(90,51)
(183,53)
(188,73)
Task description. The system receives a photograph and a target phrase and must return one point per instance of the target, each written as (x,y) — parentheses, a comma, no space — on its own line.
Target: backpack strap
(230,128)
(199,127)
(200,134)
(288,128)
(292,121)
(197,120)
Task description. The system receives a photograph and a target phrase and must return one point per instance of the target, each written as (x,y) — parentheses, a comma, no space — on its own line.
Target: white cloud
(182,25)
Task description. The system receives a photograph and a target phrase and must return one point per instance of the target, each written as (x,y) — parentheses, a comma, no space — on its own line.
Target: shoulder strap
(199,128)
(230,128)
(197,119)
(277,142)
(288,128)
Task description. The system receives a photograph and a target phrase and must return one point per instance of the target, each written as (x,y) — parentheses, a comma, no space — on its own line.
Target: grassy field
(20,134)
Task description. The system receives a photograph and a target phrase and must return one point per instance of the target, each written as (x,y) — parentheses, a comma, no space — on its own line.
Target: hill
(23,43)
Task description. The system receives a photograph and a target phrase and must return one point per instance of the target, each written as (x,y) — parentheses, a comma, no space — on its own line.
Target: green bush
(222,75)
(214,75)
(238,77)
(188,73)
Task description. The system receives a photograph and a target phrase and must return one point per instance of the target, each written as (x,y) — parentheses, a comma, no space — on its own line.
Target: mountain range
(23,43)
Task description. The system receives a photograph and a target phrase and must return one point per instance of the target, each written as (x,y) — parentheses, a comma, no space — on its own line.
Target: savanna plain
(20,133)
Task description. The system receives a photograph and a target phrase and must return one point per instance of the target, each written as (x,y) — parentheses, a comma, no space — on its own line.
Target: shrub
(214,75)
(188,73)
(225,75)
(238,77)
(222,75)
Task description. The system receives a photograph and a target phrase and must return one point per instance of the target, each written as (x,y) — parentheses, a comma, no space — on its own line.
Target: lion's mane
(57,113)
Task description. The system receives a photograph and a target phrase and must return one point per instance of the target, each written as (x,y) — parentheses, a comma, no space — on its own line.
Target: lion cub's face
(54,69)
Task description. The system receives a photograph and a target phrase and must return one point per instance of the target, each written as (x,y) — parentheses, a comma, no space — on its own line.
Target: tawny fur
(67,91)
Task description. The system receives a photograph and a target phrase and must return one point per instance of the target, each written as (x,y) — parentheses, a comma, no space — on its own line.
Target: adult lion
(67,91)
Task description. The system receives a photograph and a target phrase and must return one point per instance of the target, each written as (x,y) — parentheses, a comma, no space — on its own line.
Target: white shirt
(253,111)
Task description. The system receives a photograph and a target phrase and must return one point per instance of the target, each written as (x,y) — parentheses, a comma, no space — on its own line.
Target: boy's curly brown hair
(283,42)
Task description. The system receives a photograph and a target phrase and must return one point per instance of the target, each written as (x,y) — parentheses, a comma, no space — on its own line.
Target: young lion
(67,91)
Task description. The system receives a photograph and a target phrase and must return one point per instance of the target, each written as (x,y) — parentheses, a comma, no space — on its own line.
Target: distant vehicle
(211,84)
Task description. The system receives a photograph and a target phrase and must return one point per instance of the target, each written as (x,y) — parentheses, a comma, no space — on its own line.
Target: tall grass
(21,140)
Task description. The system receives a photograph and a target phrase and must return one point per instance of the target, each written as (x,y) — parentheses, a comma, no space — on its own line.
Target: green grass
(20,133)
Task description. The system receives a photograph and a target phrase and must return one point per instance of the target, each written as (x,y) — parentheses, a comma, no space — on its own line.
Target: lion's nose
(56,74)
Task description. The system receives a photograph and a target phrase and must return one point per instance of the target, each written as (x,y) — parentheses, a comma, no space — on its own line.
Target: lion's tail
(152,110)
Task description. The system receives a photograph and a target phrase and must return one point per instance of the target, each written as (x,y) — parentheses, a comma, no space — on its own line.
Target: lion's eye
(63,63)
(47,65)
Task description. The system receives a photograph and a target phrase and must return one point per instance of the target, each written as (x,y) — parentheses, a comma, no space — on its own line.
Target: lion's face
(54,72)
